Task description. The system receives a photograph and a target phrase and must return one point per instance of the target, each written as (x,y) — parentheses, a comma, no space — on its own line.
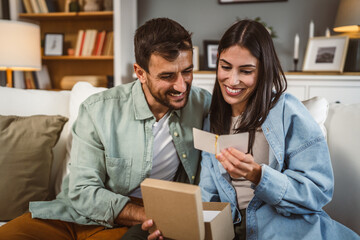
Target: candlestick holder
(296,60)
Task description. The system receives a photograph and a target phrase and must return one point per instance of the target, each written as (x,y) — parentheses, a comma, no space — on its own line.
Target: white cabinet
(335,88)
(344,88)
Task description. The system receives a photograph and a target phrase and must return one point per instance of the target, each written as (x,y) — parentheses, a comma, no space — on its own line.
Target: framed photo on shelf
(53,44)
(210,54)
(248,1)
(326,54)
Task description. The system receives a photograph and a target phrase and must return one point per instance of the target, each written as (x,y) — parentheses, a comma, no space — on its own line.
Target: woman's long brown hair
(271,81)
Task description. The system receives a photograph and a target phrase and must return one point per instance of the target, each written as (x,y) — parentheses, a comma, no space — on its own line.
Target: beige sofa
(342,127)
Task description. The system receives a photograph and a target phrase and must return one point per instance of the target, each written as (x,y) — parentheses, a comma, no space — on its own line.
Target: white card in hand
(213,143)
(204,141)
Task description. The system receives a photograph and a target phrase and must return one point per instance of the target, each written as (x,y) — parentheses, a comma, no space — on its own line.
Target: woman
(278,188)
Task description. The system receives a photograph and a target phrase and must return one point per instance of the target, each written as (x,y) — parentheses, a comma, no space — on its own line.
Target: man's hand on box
(146,227)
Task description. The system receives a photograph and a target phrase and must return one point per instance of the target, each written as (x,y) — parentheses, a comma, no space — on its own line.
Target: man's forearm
(131,214)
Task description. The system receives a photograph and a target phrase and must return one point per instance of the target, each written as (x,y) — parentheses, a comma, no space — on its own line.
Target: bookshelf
(69,24)
(122,21)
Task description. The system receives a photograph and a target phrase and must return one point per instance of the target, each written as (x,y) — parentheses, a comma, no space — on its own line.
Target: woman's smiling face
(237,76)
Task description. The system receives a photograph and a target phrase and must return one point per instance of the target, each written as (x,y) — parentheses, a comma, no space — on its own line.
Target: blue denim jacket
(293,188)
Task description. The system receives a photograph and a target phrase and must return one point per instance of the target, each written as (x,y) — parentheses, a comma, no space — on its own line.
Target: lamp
(348,16)
(19,47)
(347,22)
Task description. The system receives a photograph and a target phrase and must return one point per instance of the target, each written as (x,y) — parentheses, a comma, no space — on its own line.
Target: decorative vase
(91,6)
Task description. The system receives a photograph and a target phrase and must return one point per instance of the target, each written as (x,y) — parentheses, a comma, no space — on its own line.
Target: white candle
(327,32)
(311,29)
(296,46)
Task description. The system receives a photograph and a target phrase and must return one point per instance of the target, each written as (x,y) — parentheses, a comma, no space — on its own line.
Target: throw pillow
(25,160)
(318,108)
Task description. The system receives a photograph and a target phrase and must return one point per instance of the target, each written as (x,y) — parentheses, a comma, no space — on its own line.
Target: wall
(208,19)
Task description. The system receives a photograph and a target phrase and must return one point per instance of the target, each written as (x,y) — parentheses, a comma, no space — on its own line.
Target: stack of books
(29,79)
(39,6)
(91,42)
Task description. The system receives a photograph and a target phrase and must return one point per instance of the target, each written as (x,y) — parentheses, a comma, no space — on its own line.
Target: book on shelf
(85,42)
(43,78)
(19,79)
(3,79)
(79,42)
(109,44)
(91,42)
(36,80)
(29,80)
(93,52)
(43,6)
(67,6)
(32,79)
(40,6)
(99,43)
(27,6)
(35,6)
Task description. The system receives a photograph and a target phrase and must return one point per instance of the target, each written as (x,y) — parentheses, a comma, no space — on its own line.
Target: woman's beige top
(261,156)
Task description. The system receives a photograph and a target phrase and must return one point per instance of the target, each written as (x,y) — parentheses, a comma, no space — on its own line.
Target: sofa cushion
(318,108)
(25,160)
(25,102)
(343,126)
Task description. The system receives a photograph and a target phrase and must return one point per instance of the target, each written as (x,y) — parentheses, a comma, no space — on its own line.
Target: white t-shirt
(165,159)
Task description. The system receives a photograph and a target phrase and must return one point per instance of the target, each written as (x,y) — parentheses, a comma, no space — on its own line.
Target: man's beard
(166,103)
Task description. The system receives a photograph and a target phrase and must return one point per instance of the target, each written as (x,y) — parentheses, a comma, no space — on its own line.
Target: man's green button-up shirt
(112,153)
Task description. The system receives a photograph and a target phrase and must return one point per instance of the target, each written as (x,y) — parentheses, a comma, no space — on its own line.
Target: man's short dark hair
(161,36)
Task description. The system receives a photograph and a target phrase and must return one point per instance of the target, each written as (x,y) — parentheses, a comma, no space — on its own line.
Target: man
(122,136)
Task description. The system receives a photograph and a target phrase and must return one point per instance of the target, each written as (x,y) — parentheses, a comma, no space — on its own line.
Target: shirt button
(193,177)
(176,134)
(184,155)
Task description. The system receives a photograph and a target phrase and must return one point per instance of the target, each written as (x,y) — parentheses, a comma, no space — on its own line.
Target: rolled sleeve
(272,186)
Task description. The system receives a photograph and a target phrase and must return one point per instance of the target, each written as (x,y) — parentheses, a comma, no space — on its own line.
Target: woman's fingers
(238,164)
(230,164)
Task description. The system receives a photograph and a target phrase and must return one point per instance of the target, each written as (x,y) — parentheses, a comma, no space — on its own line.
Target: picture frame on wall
(326,54)
(210,54)
(53,44)
(248,1)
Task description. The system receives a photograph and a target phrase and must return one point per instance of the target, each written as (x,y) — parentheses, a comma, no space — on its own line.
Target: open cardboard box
(178,212)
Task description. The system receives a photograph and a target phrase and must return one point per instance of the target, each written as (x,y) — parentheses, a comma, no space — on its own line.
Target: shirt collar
(141,108)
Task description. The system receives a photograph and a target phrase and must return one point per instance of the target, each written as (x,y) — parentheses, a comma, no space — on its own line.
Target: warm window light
(348,16)
(19,47)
